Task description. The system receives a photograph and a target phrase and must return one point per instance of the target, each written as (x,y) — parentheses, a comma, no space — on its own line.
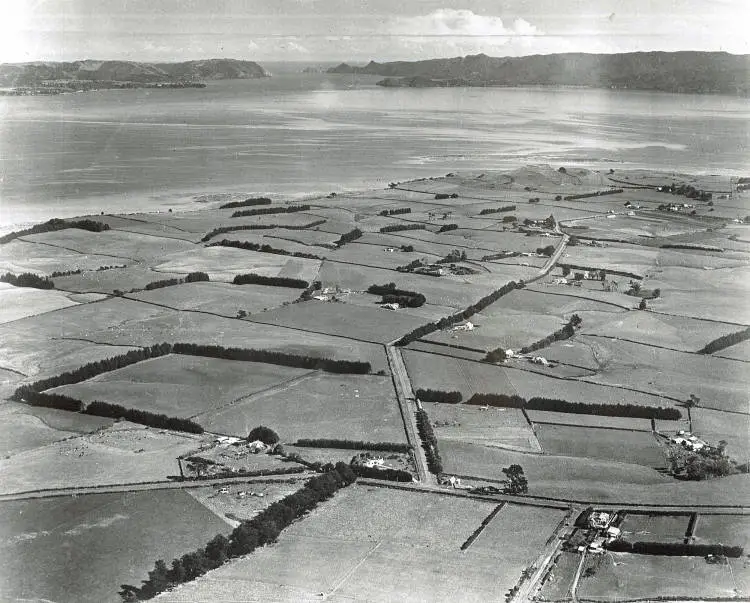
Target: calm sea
(297,134)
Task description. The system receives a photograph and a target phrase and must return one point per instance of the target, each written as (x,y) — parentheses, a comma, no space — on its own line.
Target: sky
(360,30)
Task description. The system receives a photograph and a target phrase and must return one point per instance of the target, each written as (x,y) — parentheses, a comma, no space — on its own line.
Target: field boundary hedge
(225,229)
(264,211)
(248,246)
(27,279)
(395,212)
(161,421)
(565,333)
(497,210)
(271,281)
(400,227)
(348,237)
(392,475)
(352,445)
(429,442)
(448,321)
(246,203)
(437,395)
(485,522)
(193,277)
(725,341)
(613,191)
(581,408)
(678,549)
(251,534)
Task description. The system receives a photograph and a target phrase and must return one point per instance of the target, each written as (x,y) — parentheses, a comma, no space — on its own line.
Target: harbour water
(297,134)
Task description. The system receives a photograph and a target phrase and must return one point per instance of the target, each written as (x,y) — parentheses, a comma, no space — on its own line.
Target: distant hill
(33,74)
(696,72)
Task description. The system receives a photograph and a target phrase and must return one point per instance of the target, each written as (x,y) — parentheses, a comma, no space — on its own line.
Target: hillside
(697,72)
(34,74)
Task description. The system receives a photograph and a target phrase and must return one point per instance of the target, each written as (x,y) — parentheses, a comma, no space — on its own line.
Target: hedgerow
(400,227)
(248,246)
(390,294)
(271,281)
(393,475)
(348,237)
(27,279)
(678,549)
(264,211)
(436,395)
(246,203)
(261,530)
(224,229)
(725,341)
(161,421)
(53,225)
(429,442)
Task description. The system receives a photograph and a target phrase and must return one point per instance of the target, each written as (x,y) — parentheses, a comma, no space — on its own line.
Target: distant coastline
(680,72)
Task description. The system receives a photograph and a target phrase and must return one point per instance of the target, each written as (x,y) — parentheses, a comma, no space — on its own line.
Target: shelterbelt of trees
(391,295)
(580,408)
(224,229)
(725,341)
(352,445)
(263,211)
(678,549)
(248,246)
(251,534)
(246,203)
(429,443)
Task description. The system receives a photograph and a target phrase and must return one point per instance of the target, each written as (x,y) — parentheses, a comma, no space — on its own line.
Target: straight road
(406,401)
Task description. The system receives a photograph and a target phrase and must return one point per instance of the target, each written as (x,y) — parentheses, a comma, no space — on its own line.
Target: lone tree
(265,434)
(516,482)
(496,355)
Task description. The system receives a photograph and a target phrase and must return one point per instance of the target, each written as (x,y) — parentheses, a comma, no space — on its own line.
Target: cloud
(448,32)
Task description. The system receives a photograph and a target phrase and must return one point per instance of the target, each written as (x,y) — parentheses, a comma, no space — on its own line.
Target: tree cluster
(92,369)
(265,434)
(193,277)
(307,294)
(348,237)
(516,480)
(400,227)
(437,395)
(447,227)
(251,534)
(271,357)
(448,321)
(264,211)
(60,273)
(410,266)
(676,549)
(441,196)
(224,229)
(497,210)
(565,333)
(248,246)
(495,356)
(692,246)
(53,225)
(546,251)
(395,212)
(391,295)
(509,219)
(246,203)
(143,417)
(686,190)
(429,443)
(580,408)
(454,256)
(51,400)
(271,281)
(27,279)
(352,445)
(613,191)
(725,341)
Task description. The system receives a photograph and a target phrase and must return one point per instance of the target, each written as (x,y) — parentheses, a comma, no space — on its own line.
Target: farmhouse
(467,326)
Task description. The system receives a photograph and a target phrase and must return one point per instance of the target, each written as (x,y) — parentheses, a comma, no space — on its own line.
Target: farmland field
(124,453)
(136,276)
(566,418)
(21,256)
(220,298)
(344,407)
(730,530)
(89,545)
(639,527)
(504,427)
(20,302)
(715,426)
(636,447)
(346,547)
(678,577)
(372,324)
(181,386)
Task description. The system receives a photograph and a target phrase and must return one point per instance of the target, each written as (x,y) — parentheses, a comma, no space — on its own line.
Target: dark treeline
(687,190)
(448,321)
(270,357)
(92,369)
(27,279)
(497,210)
(565,333)
(58,401)
(437,395)
(395,212)
(393,475)
(264,211)
(580,408)
(447,227)
(57,273)
(613,191)
(441,196)
(348,237)
(143,417)
(352,445)
(248,246)
(725,341)
(391,295)
(429,443)
(193,277)
(400,227)
(694,247)
(677,549)
(246,203)
(262,529)
(224,229)
(271,281)
(53,225)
